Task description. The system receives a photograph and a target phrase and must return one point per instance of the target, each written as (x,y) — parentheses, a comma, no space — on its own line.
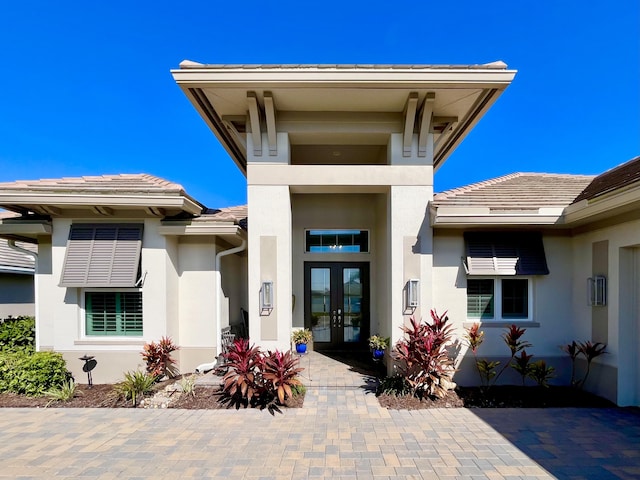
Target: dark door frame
(337,301)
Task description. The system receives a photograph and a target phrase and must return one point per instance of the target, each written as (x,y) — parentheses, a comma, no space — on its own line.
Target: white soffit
(465,92)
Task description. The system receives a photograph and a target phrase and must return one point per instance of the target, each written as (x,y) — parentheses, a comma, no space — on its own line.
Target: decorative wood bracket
(270,116)
(104,211)
(425,123)
(409,122)
(254,119)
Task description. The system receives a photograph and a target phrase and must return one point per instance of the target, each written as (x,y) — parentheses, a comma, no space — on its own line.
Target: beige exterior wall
(390,200)
(269,243)
(552,324)
(615,375)
(178,301)
(338,211)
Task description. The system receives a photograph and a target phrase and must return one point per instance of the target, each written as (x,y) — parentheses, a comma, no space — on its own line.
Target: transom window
(337,241)
(498,299)
(113,313)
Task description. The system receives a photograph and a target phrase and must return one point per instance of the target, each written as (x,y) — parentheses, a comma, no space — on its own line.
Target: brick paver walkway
(340,433)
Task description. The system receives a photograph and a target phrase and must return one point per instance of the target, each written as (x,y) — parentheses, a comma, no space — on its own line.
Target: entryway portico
(340,150)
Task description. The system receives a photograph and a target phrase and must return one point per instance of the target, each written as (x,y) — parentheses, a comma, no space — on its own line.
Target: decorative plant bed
(500,397)
(106,396)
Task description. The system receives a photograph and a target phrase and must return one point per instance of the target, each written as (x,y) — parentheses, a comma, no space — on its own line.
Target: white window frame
(103,338)
(497,299)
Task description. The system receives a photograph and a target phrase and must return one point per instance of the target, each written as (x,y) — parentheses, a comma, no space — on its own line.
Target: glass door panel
(352,304)
(321,304)
(336,303)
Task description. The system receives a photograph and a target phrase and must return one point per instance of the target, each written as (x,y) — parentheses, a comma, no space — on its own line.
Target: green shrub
(395,385)
(188,384)
(32,373)
(135,385)
(63,393)
(17,334)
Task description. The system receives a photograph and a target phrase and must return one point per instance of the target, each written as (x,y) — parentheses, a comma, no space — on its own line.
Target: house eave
(456,217)
(17,270)
(465,221)
(35,201)
(197,81)
(24,230)
(594,209)
(228,231)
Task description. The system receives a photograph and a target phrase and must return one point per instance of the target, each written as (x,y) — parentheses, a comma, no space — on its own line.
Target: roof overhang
(228,231)
(99,204)
(219,93)
(26,230)
(468,217)
(603,207)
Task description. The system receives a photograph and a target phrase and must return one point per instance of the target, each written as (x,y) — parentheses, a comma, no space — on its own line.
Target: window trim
(106,338)
(307,251)
(497,300)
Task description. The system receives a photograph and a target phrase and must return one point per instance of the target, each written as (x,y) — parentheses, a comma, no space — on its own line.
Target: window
(499,298)
(515,298)
(113,313)
(480,299)
(337,241)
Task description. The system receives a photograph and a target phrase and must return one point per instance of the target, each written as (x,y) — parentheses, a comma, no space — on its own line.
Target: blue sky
(85,87)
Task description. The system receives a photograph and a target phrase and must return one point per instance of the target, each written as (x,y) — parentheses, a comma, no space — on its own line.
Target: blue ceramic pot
(301,347)
(378,354)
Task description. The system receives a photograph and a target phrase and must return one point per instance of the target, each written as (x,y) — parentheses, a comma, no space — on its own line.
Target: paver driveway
(340,433)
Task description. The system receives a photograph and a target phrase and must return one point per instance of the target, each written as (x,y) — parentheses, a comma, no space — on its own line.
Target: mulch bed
(105,396)
(500,397)
(210,398)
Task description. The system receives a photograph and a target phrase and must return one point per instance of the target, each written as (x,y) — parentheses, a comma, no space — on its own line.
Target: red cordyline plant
(474,338)
(512,338)
(244,362)
(280,373)
(423,356)
(541,373)
(258,379)
(522,366)
(587,349)
(158,358)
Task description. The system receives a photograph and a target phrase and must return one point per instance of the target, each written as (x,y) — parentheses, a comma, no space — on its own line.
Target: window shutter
(102,256)
(505,253)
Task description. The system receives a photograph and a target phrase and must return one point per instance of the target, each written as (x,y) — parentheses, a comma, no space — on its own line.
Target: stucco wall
(269,250)
(16,295)
(337,211)
(623,308)
(178,295)
(553,323)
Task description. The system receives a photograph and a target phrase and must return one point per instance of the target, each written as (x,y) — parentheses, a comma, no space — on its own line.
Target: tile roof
(10,258)
(517,191)
(618,177)
(497,65)
(105,184)
(237,215)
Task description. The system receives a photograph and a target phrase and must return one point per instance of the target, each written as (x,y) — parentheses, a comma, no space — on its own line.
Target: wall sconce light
(266,296)
(413,293)
(597,291)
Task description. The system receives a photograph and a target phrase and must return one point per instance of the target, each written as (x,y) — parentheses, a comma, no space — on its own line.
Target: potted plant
(378,345)
(301,337)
